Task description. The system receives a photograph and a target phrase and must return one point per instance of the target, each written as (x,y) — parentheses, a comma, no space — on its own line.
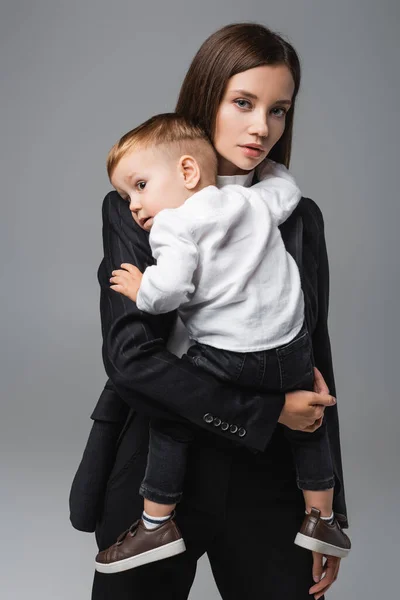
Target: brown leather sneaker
(319,536)
(138,546)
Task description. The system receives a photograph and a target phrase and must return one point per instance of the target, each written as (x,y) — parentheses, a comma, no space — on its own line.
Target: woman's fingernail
(316,578)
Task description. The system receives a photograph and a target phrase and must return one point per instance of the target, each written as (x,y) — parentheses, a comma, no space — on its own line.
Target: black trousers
(242,509)
(285,368)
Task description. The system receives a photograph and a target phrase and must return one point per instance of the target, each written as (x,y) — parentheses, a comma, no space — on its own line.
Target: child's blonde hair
(173,134)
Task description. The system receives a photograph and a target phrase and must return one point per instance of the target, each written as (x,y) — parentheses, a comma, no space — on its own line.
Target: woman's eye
(240,103)
(281,112)
(141,185)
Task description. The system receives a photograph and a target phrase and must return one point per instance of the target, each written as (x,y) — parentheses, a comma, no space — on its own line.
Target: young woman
(241,88)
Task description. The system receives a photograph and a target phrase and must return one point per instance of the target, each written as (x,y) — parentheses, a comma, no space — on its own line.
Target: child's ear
(190,171)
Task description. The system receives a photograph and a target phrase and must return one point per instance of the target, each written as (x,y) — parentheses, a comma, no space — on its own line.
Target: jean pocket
(295,363)
(223,364)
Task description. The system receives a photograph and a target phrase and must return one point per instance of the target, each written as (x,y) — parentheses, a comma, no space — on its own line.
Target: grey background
(76,75)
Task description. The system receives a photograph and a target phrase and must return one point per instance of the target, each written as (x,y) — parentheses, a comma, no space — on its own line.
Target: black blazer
(146,378)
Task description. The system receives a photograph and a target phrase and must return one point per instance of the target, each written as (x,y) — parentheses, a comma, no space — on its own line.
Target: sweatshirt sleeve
(278,189)
(168,284)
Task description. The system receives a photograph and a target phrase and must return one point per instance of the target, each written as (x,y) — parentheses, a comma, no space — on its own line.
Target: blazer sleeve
(148,377)
(323,361)
(320,338)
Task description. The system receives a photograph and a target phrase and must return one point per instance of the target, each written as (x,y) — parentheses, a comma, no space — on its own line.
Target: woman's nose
(259,126)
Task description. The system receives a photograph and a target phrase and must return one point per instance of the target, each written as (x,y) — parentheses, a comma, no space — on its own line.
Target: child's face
(150,182)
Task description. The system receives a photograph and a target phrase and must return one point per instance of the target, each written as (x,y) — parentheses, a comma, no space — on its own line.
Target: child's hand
(127,281)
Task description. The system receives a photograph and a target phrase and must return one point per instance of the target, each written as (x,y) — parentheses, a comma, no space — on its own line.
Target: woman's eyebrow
(245,93)
(254,97)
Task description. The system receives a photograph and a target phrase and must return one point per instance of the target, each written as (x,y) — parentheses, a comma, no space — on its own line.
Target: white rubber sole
(150,556)
(322,547)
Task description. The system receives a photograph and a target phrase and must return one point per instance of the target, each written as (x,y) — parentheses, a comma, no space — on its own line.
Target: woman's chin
(247,164)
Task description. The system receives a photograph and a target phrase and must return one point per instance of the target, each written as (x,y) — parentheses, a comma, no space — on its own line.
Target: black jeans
(242,509)
(285,368)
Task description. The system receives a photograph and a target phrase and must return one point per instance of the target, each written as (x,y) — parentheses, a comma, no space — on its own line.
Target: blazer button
(224,426)
(233,428)
(208,418)
(217,422)
(242,432)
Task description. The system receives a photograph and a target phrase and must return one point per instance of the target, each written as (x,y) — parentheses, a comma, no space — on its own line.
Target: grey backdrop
(74,76)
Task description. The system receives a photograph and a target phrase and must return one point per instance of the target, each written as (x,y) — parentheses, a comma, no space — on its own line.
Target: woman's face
(252,111)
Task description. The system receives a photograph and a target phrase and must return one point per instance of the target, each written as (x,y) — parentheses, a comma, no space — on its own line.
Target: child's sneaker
(321,536)
(138,546)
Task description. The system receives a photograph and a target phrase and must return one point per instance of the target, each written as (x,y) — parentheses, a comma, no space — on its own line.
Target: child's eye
(242,102)
(141,185)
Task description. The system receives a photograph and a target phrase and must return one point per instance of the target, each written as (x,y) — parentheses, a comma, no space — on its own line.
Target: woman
(241,88)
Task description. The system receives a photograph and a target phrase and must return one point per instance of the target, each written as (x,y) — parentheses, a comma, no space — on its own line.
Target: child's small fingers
(130,268)
(121,276)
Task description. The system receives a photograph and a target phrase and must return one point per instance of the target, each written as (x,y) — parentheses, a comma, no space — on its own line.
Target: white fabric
(221,260)
(178,341)
(244,180)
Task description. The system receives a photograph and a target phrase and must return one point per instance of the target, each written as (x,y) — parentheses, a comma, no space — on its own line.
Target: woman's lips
(252,152)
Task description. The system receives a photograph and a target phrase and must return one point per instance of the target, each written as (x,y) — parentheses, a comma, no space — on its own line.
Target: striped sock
(329,519)
(153,522)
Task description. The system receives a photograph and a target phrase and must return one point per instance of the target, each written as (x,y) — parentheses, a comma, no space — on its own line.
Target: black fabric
(134,345)
(247,529)
(222,478)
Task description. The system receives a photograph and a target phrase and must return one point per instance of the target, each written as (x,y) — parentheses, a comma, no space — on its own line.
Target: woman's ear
(190,171)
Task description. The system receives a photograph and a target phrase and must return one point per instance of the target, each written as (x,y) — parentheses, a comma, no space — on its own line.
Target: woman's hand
(304,410)
(330,569)
(127,281)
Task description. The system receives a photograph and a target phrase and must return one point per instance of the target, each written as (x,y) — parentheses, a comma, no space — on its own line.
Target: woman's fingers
(317,566)
(303,410)
(314,426)
(330,570)
(323,399)
(320,402)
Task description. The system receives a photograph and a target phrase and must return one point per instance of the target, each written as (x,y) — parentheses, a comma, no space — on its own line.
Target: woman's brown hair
(230,50)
